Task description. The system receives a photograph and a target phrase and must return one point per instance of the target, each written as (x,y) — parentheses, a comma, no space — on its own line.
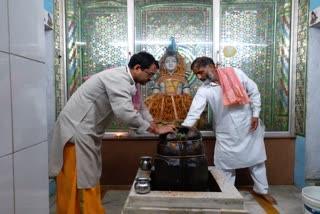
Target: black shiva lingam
(181,164)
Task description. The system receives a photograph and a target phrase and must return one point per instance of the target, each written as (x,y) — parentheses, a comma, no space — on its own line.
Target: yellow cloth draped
(71,200)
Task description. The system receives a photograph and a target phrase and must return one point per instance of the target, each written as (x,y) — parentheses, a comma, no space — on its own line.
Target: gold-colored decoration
(169,109)
(169,106)
(229,51)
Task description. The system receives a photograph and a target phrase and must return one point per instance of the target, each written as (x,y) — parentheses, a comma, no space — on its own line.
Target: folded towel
(233,92)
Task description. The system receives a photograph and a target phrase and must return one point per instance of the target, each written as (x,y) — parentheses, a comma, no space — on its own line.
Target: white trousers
(258,174)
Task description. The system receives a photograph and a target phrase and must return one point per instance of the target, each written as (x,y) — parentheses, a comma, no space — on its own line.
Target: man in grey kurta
(239,132)
(92,108)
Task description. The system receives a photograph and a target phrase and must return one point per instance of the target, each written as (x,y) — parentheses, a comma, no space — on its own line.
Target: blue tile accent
(299,163)
(314,4)
(52,186)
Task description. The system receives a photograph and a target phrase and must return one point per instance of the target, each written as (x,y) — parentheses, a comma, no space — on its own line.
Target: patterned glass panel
(280,108)
(103,38)
(301,69)
(59,76)
(144,3)
(262,29)
(245,1)
(111,3)
(249,29)
(72,54)
(249,42)
(190,25)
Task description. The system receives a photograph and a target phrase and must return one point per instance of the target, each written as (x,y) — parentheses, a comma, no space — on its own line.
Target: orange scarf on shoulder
(233,92)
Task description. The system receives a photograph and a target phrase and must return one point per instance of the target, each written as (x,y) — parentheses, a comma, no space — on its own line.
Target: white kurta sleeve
(198,105)
(253,92)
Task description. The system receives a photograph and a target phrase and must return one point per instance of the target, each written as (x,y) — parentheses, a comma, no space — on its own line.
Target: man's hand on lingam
(166,129)
(156,129)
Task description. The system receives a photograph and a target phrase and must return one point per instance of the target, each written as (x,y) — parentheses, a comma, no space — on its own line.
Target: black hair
(202,61)
(144,59)
(170,52)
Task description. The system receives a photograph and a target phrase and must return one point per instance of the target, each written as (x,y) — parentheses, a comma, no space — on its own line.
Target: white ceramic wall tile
(28,102)
(51,98)
(4,41)
(5,106)
(26,27)
(312,168)
(31,180)
(6,185)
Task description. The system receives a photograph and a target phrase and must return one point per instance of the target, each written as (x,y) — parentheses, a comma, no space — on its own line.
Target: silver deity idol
(145,163)
(142,185)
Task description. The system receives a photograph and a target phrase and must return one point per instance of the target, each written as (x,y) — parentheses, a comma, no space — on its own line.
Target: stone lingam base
(226,201)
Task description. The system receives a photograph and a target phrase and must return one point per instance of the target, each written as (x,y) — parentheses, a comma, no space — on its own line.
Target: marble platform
(227,201)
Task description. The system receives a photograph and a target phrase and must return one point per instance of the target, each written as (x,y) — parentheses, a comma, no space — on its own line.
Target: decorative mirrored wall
(189,23)
(301,67)
(254,36)
(104,36)
(258,34)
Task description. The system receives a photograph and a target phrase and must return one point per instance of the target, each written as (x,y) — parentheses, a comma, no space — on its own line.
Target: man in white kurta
(239,132)
(91,109)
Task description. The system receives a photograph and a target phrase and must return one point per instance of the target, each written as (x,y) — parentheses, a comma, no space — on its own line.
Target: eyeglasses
(149,73)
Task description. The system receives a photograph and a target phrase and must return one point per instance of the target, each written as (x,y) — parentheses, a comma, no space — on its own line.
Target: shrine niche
(171,98)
